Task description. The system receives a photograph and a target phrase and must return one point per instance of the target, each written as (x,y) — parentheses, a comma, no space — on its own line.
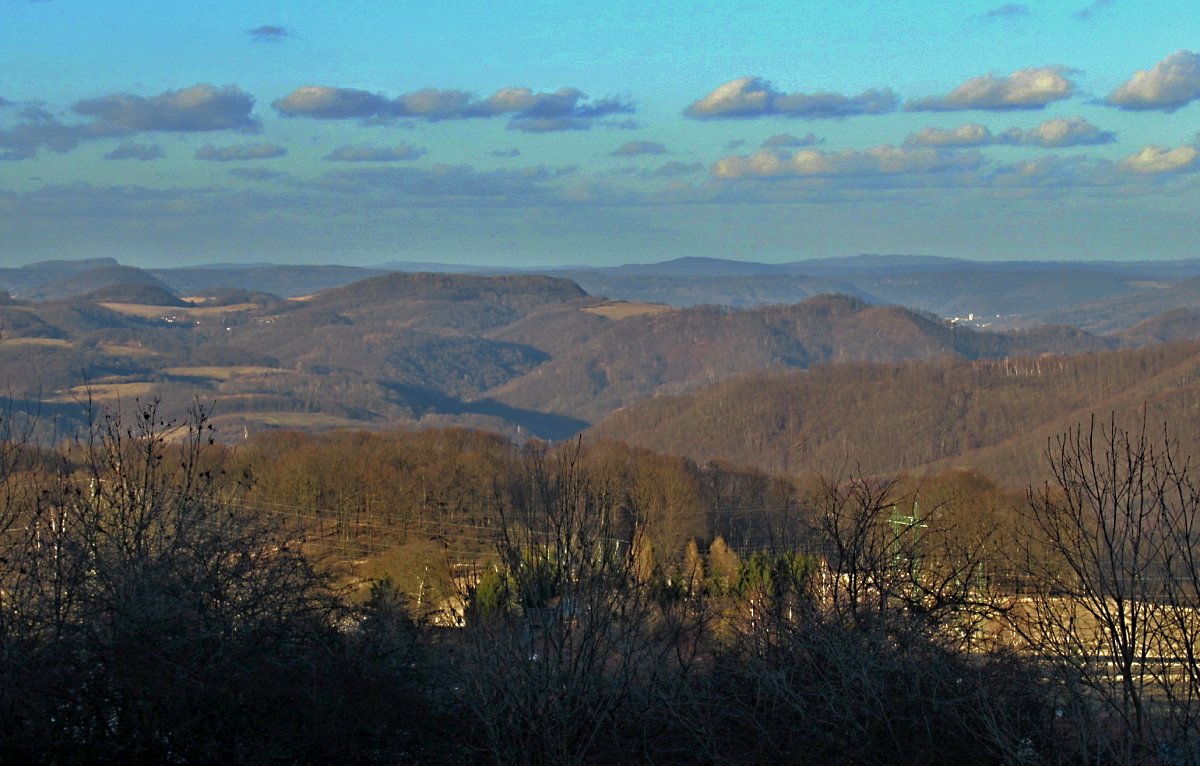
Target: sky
(547,133)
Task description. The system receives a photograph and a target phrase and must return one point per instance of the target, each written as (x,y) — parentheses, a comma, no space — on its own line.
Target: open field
(302,420)
(151,312)
(105,391)
(625,309)
(223,373)
(38,342)
(126,349)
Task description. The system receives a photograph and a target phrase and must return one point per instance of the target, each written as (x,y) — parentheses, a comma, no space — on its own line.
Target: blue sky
(546,133)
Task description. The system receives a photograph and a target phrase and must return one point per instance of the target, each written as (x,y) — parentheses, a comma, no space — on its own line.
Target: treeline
(379,491)
(995,415)
(452,597)
(644,356)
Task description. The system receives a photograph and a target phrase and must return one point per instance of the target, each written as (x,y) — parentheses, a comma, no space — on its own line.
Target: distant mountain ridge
(502,352)
(1099,295)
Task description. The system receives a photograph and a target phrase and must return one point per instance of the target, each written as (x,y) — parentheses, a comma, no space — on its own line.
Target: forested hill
(992,415)
(517,353)
(445,301)
(674,351)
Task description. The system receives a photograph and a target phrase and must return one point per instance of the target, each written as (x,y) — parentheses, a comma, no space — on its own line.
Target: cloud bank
(749,97)
(1031,88)
(527,110)
(1055,133)
(880,160)
(1158,160)
(1172,83)
(199,108)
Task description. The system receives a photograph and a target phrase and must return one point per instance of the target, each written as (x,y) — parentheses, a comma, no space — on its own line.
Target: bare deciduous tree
(572,637)
(1113,544)
(148,620)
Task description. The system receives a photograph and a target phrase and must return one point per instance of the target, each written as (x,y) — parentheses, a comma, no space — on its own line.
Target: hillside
(288,281)
(1123,311)
(994,415)
(63,280)
(449,302)
(143,294)
(677,351)
(29,281)
(997,293)
(396,348)
(1175,325)
(516,353)
(425,330)
(1101,296)
(737,290)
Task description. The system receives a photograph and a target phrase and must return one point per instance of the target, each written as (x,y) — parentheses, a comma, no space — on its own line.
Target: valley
(781,386)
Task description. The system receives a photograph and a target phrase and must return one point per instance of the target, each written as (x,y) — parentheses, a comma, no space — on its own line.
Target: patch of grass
(38,342)
(152,312)
(222,373)
(290,420)
(106,391)
(624,310)
(126,349)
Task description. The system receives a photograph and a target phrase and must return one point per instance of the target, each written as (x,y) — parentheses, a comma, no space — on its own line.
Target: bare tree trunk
(1111,545)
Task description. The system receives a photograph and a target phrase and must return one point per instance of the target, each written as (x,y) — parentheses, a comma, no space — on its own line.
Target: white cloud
(754,97)
(879,160)
(971,134)
(326,103)
(1156,159)
(1172,83)
(528,110)
(1031,88)
(1064,173)
(201,107)
(1060,132)
(1055,133)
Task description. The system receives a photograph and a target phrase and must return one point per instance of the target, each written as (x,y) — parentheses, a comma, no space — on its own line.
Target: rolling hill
(676,351)
(993,415)
(513,352)
(1119,312)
